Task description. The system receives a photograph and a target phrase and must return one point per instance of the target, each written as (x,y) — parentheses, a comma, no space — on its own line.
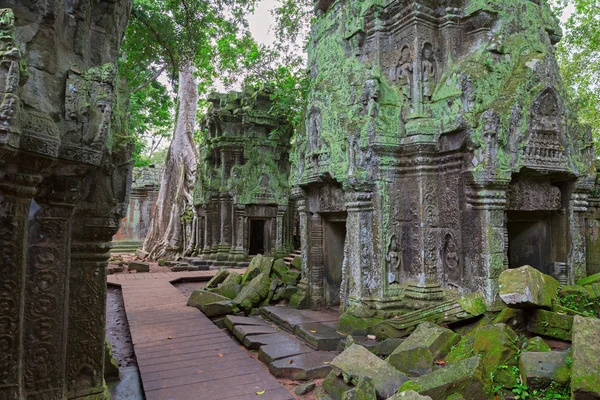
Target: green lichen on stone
(351,325)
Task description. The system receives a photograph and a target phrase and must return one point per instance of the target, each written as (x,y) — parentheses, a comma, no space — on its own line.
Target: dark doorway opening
(529,239)
(334,238)
(257,237)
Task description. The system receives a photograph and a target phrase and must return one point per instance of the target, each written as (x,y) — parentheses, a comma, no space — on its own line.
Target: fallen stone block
(364,390)
(297,262)
(230,289)
(463,308)
(427,343)
(259,265)
(253,293)
(219,277)
(409,395)
(303,366)
(285,292)
(291,277)
(539,369)
(335,386)
(275,283)
(536,344)
(138,266)
(232,320)
(241,331)
(319,336)
(388,346)
(513,317)
(280,268)
(497,345)
(271,352)
(181,267)
(305,388)
(255,342)
(585,381)
(551,324)
(527,287)
(111,367)
(465,377)
(356,361)
(219,308)
(200,297)
(141,254)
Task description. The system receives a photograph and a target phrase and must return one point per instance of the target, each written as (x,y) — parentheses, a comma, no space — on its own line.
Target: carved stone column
(16,191)
(360,261)
(226,229)
(238,254)
(485,247)
(47,286)
(301,299)
(578,207)
(206,232)
(317,294)
(279,244)
(215,227)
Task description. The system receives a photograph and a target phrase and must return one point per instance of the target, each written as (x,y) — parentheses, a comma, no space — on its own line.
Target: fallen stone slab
(527,287)
(297,262)
(232,320)
(255,342)
(536,344)
(200,297)
(335,386)
(219,308)
(319,336)
(141,254)
(465,377)
(305,388)
(219,277)
(241,331)
(271,352)
(585,382)
(356,361)
(497,345)
(540,369)
(138,266)
(229,289)
(427,343)
(181,267)
(364,390)
(460,309)
(259,265)
(111,366)
(409,395)
(301,367)
(551,324)
(253,293)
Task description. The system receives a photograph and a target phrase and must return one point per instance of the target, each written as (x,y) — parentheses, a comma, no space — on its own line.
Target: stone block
(536,344)
(241,331)
(409,395)
(254,342)
(232,320)
(388,346)
(253,293)
(365,390)
(219,308)
(111,367)
(271,352)
(297,263)
(585,380)
(319,336)
(259,264)
(305,388)
(527,287)
(427,343)
(356,361)
(539,369)
(138,266)
(512,317)
(291,277)
(141,254)
(181,267)
(336,386)
(465,377)
(200,297)
(230,289)
(303,366)
(497,345)
(551,324)
(280,268)
(219,277)
(589,280)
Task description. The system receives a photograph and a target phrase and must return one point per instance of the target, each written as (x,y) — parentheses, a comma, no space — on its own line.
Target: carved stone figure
(394,261)
(428,73)
(404,69)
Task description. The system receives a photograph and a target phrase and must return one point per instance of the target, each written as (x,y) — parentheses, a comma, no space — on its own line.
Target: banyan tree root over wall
(64,171)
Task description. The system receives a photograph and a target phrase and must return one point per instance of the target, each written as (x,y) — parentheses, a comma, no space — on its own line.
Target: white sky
(262,21)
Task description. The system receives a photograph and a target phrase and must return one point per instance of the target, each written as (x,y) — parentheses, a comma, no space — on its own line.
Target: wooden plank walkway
(181,354)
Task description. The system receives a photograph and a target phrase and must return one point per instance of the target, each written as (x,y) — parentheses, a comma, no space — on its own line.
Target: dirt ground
(117,329)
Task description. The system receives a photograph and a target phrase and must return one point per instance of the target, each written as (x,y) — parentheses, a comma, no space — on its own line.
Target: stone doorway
(529,239)
(257,237)
(333,246)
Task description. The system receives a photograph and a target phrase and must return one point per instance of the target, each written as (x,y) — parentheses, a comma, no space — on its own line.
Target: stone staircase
(290,257)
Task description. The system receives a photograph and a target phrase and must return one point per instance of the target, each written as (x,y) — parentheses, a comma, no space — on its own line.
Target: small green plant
(521,391)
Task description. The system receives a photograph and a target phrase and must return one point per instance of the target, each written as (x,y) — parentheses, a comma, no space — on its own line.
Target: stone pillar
(578,207)
(279,243)
(361,265)
(484,222)
(16,191)
(215,228)
(301,299)
(238,254)
(226,229)
(47,287)
(317,294)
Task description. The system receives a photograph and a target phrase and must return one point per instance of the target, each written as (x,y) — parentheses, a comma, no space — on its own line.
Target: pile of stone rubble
(492,356)
(266,281)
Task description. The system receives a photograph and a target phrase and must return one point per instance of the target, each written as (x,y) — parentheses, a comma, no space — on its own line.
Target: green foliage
(164,36)
(579,59)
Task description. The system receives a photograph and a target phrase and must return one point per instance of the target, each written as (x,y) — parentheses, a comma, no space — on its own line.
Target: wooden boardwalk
(181,354)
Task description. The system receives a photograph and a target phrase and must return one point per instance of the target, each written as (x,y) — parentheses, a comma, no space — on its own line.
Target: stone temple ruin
(439,150)
(241,195)
(64,172)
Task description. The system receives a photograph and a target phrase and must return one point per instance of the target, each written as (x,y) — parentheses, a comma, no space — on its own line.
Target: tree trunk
(165,238)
